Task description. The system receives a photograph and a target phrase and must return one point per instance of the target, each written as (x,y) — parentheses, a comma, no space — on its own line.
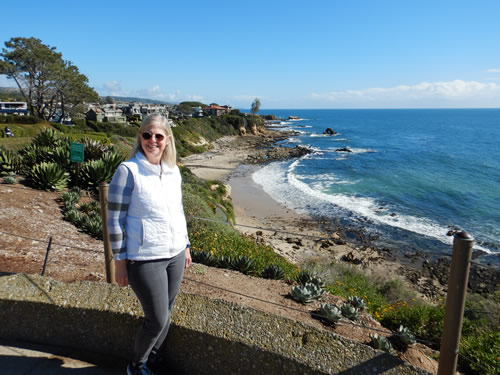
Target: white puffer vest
(156,226)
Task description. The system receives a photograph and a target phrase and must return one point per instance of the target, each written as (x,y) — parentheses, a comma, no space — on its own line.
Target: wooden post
(455,302)
(108,254)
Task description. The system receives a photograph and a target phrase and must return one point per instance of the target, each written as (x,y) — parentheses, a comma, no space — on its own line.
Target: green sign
(76,153)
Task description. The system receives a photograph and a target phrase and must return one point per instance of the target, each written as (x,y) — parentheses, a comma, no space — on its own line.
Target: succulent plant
(93,172)
(71,197)
(89,207)
(243,264)
(350,312)
(11,179)
(306,277)
(381,343)
(48,176)
(357,302)
(224,261)
(34,154)
(10,162)
(73,216)
(405,337)
(112,159)
(306,293)
(92,225)
(330,313)
(60,155)
(203,257)
(94,150)
(273,272)
(47,137)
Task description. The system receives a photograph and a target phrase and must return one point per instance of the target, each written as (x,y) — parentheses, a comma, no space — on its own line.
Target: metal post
(46,256)
(108,254)
(455,302)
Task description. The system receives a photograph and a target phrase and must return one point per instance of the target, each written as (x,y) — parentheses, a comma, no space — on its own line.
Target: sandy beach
(296,237)
(302,239)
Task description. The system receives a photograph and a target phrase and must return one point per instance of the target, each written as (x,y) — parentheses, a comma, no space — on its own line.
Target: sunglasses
(147,135)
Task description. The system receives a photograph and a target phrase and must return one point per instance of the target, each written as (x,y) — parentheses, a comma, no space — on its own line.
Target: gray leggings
(156,284)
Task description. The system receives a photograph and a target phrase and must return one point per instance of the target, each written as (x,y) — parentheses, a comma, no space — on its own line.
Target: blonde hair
(169,154)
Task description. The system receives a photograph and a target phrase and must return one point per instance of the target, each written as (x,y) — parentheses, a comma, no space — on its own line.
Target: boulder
(343,149)
(329,131)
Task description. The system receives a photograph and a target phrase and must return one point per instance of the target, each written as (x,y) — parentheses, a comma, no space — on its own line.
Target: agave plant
(306,277)
(224,261)
(34,154)
(203,257)
(357,302)
(10,162)
(48,176)
(60,155)
(349,311)
(70,197)
(330,313)
(381,343)
(243,264)
(306,293)
(112,159)
(405,337)
(10,179)
(274,272)
(92,224)
(94,150)
(93,172)
(73,216)
(47,137)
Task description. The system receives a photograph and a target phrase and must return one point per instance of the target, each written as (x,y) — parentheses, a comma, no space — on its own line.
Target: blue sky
(290,54)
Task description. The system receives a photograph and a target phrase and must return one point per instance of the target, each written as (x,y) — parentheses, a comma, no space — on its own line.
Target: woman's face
(154,139)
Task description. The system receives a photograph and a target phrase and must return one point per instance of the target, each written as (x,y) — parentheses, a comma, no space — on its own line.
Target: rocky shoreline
(428,276)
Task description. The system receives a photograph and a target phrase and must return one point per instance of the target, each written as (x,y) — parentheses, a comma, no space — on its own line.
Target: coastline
(298,237)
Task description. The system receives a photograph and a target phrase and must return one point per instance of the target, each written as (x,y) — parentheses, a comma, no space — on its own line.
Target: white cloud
(456,93)
(493,70)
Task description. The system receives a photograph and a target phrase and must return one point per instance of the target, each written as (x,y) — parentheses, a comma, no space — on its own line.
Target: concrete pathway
(28,359)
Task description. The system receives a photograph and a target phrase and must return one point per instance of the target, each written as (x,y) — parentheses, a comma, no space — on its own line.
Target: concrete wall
(207,336)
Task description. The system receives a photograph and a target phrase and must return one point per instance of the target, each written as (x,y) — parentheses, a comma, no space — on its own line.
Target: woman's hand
(188,261)
(121,274)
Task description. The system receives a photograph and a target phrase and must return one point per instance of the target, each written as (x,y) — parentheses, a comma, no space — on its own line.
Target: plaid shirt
(119,194)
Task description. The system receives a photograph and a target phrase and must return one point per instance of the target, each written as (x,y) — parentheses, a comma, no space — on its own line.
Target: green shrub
(16,119)
(425,321)
(480,353)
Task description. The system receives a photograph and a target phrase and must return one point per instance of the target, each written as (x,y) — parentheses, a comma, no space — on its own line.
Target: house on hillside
(217,110)
(197,112)
(14,108)
(108,113)
(95,114)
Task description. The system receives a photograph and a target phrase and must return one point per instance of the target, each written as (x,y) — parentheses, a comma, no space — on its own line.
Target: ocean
(412,175)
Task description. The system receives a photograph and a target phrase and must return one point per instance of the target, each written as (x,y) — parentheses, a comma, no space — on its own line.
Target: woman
(148,234)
